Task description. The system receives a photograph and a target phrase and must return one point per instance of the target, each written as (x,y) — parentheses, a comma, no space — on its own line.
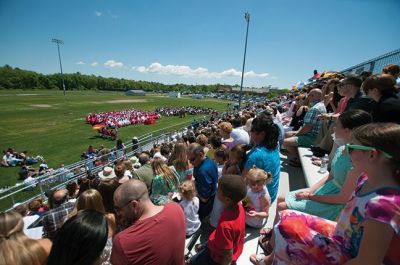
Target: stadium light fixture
(247,18)
(58,42)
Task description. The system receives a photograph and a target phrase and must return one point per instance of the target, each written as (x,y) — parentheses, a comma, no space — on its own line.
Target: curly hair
(265,124)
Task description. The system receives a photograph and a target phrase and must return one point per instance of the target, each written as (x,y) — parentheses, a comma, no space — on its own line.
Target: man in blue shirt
(206,178)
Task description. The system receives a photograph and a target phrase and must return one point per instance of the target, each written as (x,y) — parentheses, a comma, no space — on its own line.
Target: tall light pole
(58,42)
(247,17)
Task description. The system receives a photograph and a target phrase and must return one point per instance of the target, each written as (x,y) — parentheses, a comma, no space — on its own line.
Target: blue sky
(197,42)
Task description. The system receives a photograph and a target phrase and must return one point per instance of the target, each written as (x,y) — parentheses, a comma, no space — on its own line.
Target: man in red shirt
(225,243)
(155,234)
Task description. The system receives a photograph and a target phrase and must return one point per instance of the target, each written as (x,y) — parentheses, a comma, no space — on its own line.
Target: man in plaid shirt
(307,134)
(55,218)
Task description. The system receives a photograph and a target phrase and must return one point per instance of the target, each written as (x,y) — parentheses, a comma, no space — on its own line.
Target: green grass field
(52,125)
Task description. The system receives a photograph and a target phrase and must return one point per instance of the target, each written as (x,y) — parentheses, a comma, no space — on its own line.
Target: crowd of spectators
(182,111)
(350,216)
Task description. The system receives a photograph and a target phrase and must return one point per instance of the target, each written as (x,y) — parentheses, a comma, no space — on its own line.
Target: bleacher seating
(311,171)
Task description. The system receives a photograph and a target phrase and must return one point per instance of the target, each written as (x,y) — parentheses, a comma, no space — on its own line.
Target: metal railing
(374,65)
(24,193)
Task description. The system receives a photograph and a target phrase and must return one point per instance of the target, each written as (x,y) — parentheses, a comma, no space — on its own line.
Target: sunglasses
(351,147)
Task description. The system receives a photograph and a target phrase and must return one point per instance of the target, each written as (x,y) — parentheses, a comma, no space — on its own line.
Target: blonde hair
(160,168)
(178,158)
(259,175)
(188,190)
(15,247)
(89,199)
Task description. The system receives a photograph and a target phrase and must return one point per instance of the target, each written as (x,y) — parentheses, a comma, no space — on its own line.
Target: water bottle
(324,164)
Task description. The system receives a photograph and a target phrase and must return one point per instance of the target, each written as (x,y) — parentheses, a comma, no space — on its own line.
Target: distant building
(223,89)
(174,94)
(135,92)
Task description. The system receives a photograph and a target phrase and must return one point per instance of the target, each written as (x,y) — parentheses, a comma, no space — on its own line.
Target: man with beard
(153,234)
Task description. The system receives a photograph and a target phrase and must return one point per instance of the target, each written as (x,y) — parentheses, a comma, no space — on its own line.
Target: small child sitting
(226,242)
(190,206)
(258,199)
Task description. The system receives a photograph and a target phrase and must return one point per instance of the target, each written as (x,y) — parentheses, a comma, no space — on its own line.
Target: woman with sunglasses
(368,228)
(328,196)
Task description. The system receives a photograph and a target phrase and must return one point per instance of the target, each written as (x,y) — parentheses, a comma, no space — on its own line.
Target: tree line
(16,78)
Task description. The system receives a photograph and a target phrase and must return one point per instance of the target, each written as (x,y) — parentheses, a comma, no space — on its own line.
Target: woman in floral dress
(368,229)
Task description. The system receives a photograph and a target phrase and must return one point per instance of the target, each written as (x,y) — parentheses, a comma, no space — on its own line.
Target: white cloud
(200,72)
(114,16)
(94,64)
(140,69)
(80,62)
(98,13)
(113,64)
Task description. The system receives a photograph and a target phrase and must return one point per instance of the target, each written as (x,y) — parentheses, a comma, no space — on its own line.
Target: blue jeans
(203,258)
(205,208)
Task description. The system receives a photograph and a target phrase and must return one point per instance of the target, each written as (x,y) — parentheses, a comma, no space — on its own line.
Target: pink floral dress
(301,238)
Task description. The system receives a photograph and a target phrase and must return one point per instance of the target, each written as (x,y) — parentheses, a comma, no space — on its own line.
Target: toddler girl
(190,206)
(258,200)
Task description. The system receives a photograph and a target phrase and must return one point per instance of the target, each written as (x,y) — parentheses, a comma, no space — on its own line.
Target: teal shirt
(161,189)
(340,166)
(269,161)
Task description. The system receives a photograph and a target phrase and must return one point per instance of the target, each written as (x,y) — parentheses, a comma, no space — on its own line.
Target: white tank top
(255,200)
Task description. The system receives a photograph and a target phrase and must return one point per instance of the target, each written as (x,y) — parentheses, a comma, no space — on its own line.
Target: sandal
(257,259)
(198,247)
(266,231)
(265,245)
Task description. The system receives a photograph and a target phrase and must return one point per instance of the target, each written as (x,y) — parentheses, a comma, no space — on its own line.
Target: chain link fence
(375,65)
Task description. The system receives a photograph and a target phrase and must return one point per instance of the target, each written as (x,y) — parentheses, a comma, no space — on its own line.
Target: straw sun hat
(107,173)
